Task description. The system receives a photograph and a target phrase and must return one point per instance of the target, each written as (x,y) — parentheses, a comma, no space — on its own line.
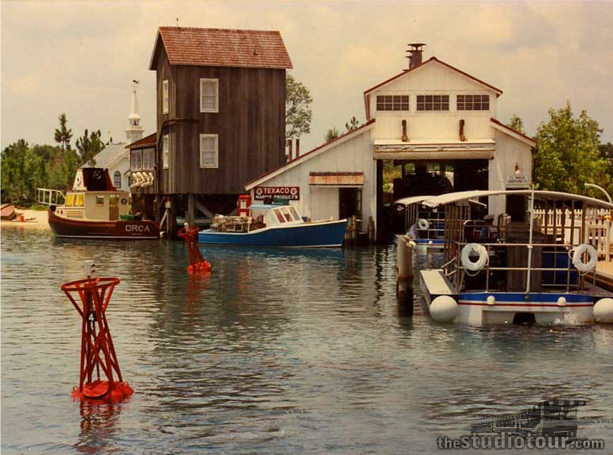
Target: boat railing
(49,196)
(508,266)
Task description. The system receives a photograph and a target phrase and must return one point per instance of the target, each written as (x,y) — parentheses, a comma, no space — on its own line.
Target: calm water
(275,352)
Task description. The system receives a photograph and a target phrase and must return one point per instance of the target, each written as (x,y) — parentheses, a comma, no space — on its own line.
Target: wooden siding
(250,124)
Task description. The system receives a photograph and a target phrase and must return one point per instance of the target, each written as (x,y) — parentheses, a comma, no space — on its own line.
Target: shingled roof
(222,47)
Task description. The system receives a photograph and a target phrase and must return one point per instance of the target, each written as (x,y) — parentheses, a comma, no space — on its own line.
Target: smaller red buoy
(197,264)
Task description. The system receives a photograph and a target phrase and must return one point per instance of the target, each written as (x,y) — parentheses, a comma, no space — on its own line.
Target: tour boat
(539,268)
(271,225)
(95,209)
(425,226)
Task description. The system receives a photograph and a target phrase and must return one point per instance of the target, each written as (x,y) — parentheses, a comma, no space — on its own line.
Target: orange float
(197,264)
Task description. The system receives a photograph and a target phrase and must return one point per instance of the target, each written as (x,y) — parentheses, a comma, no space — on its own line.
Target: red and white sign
(281,192)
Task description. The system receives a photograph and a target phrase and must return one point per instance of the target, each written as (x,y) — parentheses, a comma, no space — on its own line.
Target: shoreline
(33,219)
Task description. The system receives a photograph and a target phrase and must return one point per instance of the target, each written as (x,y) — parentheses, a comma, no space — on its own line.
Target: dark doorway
(350,203)
(516,207)
(470,175)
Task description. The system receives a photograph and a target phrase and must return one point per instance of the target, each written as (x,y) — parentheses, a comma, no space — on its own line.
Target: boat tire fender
(578,253)
(422,224)
(479,263)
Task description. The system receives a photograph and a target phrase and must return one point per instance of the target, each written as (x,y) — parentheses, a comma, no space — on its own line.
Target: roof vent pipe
(415,54)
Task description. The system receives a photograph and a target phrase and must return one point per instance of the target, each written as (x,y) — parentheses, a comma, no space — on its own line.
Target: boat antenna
(531,215)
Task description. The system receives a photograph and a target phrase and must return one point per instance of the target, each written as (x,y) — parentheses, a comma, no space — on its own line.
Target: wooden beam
(203,209)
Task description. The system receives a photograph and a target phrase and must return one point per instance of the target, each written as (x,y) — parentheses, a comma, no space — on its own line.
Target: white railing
(47,196)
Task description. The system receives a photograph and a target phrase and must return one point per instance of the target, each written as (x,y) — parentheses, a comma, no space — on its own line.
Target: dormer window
(473,102)
(432,102)
(392,102)
(209,95)
(165,96)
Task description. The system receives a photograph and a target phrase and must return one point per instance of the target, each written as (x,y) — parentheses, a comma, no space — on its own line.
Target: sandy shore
(33,219)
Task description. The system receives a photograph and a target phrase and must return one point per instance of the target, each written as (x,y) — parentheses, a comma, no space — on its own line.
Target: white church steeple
(134,131)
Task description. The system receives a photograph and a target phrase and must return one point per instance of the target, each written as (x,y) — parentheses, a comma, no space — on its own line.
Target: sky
(79,57)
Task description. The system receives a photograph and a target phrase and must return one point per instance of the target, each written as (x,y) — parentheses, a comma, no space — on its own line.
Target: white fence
(566,226)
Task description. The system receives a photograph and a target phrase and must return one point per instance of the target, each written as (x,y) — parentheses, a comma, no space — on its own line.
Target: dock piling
(404,280)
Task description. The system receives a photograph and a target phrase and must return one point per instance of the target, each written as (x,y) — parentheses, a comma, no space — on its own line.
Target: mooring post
(404,280)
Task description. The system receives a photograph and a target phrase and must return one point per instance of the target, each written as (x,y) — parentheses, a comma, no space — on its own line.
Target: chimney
(415,53)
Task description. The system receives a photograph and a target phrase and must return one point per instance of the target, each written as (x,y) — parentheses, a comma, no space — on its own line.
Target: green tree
(517,124)
(332,133)
(63,135)
(566,155)
(13,171)
(89,146)
(297,108)
(352,124)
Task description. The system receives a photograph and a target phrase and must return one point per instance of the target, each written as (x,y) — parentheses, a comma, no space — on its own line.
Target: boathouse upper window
(165,96)
(209,95)
(148,160)
(117,179)
(209,151)
(165,152)
(392,102)
(432,102)
(473,102)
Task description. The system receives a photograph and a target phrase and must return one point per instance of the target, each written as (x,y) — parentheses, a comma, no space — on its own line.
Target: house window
(392,102)
(135,160)
(432,102)
(148,160)
(165,152)
(209,152)
(117,179)
(473,102)
(165,96)
(209,95)
(99,201)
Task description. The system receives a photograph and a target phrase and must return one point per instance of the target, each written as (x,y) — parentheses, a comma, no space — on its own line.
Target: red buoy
(197,264)
(100,378)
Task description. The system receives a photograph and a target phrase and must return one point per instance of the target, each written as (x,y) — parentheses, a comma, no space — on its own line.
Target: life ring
(479,263)
(422,224)
(588,266)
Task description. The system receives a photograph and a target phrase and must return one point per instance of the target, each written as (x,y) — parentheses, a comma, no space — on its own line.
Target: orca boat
(270,225)
(95,209)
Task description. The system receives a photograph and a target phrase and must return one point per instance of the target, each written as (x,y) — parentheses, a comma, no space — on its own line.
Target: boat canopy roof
(412,200)
(538,194)
(265,206)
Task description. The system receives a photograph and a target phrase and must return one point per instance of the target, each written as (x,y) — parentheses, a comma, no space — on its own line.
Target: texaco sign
(282,192)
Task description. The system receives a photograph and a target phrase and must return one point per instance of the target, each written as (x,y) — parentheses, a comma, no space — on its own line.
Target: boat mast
(530,214)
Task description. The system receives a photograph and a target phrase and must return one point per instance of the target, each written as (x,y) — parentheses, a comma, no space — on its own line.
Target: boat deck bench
(437,283)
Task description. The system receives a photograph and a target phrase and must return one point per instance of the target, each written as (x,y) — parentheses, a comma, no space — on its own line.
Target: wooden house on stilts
(220,117)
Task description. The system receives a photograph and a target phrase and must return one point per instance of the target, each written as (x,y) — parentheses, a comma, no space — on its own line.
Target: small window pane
(78,202)
(113,199)
(99,200)
(117,179)
(70,199)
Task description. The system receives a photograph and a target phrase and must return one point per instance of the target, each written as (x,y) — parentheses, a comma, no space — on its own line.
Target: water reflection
(276,351)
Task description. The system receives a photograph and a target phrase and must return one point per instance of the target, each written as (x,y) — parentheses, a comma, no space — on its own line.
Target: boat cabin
(261,215)
(93,197)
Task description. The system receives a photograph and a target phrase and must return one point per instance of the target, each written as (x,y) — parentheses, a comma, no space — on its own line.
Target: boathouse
(220,116)
(434,122)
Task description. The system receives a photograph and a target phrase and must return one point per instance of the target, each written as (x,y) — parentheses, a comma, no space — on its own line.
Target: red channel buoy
(197,264)
(100,378)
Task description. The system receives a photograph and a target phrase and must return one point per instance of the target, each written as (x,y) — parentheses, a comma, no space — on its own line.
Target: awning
(398,150)
(348,179)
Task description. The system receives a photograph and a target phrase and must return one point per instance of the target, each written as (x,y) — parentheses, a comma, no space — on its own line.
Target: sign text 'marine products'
(282,192)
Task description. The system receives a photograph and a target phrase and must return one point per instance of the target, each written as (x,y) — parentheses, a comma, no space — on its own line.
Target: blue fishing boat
(273,226)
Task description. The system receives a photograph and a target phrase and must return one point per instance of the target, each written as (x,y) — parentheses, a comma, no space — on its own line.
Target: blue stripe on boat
(535,298)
